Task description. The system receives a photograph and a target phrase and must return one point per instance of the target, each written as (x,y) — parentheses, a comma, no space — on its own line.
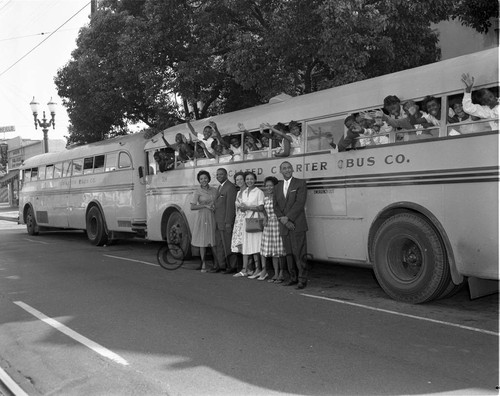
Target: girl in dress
(239,221)
(272,244)
(204,224)
(252,201)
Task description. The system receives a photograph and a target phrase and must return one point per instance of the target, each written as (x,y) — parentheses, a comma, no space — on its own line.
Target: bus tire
(96,229)
(31,224)
(177,233)
(410,261)
(451,290)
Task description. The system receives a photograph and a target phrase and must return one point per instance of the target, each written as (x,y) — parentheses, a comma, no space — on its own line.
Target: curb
(13,219)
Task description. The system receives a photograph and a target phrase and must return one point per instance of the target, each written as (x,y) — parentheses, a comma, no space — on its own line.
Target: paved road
(76,319)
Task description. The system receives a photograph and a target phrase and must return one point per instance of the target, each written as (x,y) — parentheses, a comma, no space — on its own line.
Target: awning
(6,179)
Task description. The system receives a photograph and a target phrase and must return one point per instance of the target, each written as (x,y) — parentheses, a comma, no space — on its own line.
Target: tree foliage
(138,57)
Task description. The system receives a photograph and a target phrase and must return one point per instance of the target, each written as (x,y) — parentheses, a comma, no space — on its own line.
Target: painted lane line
(127,259)
(15,389)
(73,334)
(403,314)
(33,240)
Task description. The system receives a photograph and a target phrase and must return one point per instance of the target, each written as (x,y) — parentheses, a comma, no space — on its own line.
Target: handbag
(254,224)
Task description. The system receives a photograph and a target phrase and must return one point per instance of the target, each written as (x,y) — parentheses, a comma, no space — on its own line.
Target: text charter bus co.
(419,205)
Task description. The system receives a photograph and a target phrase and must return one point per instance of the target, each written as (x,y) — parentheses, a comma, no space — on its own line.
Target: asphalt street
(76,319)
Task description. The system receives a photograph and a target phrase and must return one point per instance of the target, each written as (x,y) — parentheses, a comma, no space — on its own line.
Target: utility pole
(93,8)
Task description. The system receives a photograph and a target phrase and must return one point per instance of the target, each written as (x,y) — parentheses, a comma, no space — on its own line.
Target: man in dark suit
(225,213)
(289,202)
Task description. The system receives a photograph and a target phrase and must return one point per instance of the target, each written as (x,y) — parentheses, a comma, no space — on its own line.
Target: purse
(254,224)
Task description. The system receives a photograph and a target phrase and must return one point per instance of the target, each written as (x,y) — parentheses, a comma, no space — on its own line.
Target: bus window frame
(74,164)
(127,155)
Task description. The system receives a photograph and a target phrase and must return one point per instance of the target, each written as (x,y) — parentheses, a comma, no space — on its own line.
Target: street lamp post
(44,124)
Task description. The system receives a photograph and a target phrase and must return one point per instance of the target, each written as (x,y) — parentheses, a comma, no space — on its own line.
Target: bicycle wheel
(170,256)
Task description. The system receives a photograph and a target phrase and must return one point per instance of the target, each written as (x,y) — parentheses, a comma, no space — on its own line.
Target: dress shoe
(215,270)
(290,283)
(301,285)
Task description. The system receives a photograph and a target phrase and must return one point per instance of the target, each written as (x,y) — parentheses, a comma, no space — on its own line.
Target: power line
(32,35)
(44,40)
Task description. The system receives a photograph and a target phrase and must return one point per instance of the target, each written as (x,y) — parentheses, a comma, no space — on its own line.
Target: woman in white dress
(252,201)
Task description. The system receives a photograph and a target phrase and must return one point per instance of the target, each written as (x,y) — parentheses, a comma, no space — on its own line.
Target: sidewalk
(8,213)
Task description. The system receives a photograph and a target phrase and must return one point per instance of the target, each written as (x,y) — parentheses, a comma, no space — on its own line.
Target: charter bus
(420,207)
(99,188)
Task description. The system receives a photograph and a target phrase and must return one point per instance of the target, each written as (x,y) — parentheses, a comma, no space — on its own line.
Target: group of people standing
(221,224)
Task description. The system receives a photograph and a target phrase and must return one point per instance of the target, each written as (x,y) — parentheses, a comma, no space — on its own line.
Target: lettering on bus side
(362,162)
(307,167)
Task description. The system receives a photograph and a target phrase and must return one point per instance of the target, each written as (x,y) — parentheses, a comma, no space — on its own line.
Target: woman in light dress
(239,221)
(252,201)
(204,223)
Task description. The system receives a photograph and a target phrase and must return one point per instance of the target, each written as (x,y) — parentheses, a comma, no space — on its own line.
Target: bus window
(34,174)
(124,160)
(27,175)
(235,146)
(66,169)
(49,172)
(77,168)
(41,173)
(57,170)
(464,123)
(323,134)
(88,165)
(111,162)
(99,163)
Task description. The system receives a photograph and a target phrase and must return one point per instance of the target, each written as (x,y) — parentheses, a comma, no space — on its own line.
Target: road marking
(73,334)
(403,314)
(11,385)
(127,259)
(33,240)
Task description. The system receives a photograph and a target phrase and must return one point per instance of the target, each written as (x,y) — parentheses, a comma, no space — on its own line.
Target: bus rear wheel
(31,224)
(410,261)
(96,230)
(177,234)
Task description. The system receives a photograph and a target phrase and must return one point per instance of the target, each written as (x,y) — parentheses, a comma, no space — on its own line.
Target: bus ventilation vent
(124,223)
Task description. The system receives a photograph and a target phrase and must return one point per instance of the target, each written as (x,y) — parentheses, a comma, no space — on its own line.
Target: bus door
(326,200)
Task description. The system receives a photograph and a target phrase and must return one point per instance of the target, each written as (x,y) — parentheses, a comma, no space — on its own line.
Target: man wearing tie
(289,202)
(225,213)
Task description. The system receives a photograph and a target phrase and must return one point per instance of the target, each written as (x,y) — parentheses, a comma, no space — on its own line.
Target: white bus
(421,209)
(99,188)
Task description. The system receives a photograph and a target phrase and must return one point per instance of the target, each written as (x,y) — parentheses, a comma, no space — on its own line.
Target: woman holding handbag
(252,204)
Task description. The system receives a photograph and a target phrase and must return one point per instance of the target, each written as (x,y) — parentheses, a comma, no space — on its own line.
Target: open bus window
(41,172)
(417,134)
(57,170)
(124,160)
(235,146)
(77,168)
(66,169)
(49,172)
(460,122)
(324,134)
(111,162)
(34,174)
(99,163)
(88,165)
(27,175)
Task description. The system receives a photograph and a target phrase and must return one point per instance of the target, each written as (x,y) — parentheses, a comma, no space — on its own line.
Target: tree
(137,56)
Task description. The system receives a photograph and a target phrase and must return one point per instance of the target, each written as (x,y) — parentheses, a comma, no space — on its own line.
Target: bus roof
(117,143)
(439,78)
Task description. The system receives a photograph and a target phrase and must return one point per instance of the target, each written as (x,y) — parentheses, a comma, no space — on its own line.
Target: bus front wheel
(96,230)
(177,233)
(410,261)
(31,224)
